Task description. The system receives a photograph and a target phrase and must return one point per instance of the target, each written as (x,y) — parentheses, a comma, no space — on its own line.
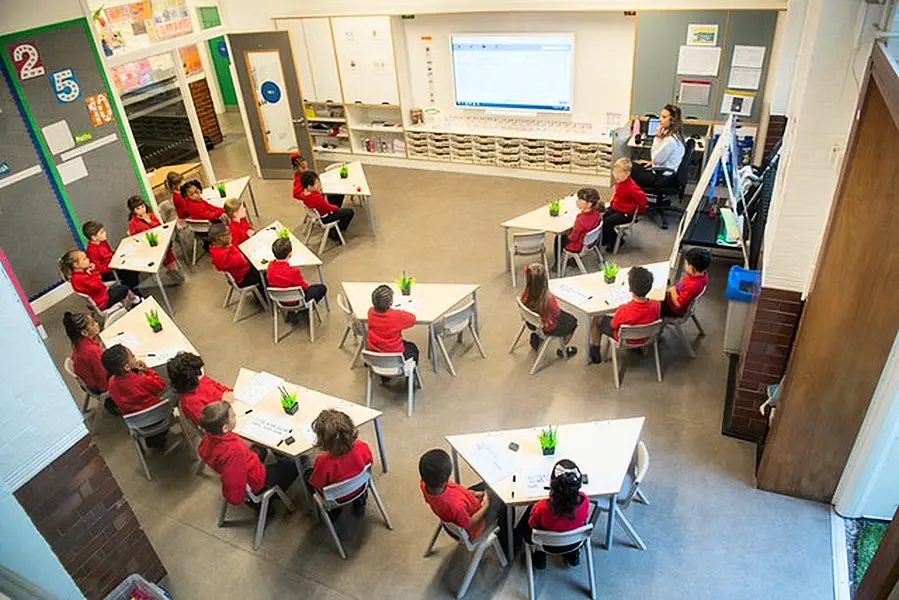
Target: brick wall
(81,511)
(209,123)
(771,327)
(777,125)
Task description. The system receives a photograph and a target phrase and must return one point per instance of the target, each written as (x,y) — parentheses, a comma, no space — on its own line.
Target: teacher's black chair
(659,196)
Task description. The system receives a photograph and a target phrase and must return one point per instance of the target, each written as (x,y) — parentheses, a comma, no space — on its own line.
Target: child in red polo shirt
(228,258)
(84,277)
(343,458)
(141,219)
(589,217)
(566,508)
(638,311)
(472,509)
(173,183)
(195,388)
(681,294)
(386,325)
(235,218)
(237,464)
(330,209)
(627,198)
(133,386)
(83,331)
(300,166)
(195,205)
(537,297)
(281,274)
(100,253)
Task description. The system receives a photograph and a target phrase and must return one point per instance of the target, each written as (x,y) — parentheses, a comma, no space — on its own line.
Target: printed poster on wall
(702,35)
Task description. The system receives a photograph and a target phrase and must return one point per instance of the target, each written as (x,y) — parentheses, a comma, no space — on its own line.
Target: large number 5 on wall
(27,61)
(65,85)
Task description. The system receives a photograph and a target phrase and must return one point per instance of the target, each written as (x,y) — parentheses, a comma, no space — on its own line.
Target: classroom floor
(710,534)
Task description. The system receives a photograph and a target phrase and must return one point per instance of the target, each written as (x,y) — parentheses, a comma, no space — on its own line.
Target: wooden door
(852,311)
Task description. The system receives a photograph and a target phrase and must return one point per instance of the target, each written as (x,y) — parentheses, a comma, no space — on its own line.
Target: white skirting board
(51,298)
(840,557)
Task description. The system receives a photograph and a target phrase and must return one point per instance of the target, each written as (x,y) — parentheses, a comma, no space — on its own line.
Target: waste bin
(741,285)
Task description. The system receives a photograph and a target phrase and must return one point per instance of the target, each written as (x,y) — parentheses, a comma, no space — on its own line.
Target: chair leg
(380,503)
(698,326)
(311,309)
(563,263)
(477,340)
(260,522)
(411,384)
(368,389)
(227,301)
(324,242)
(500,555)
(512,262)
(434,537)
(540,354)
(222,510)
(529,565)
(629,529)
(283,497)
(236,316)
(356,354)
(472,567)
(640,497)
(588,549)
(85,403)
(449,363)
(580,264)
(546,263)
(655,350)
(143,460)
(346,332)
(599,254)
(517,337)
(275,321)
(194,261)
(417,374)
(331,530)
(340,236)
(615,363)
(683,336)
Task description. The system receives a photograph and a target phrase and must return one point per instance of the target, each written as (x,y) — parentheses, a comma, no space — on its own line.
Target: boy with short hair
(133,386)
(311,195)
(627,198)
(238,464)
(638,311)
(100,253)
(228,258)
(472,508)
(281,274)
(195,388)
(680,295)
(386,325)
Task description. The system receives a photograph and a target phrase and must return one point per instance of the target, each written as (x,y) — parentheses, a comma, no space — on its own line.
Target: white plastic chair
(633,337)
(487,539)
(354,326)
(107,316)
(548,541)
(263,500)
(148,422)
(529,317)
(392,364)
(242,293)
(168,214)
(528,244)
(623,230)
(592,244)
(328,499)
(454,324)
(293,299)
(679,322)
(313,218)
(200,230)
(194,435)
(69,366)
(631,492)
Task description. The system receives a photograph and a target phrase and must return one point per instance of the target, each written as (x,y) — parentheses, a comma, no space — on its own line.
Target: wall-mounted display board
(704,60)
(365,59)
(316,63)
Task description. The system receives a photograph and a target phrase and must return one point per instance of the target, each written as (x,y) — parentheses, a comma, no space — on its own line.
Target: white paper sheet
(573,293)
(58,137)
(127,339)
(406,303)
(72,170)
(310,435)
(267,429)
(698,60)
(488,459)
(536,481)
(619,296)
(258,388)
(162,355)
(745,78)
(752,57)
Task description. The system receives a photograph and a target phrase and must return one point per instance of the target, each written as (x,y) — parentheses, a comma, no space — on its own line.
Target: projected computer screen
(518,71)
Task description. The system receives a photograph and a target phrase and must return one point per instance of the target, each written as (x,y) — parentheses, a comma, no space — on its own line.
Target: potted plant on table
(548,438)
(288,400)
(610,272)
(220,187)
(405,282)
(283,233)
(153,321)
(344,172)
(152,238)
(555,206)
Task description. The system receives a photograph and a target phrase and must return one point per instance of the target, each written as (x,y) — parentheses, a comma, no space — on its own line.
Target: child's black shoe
(535,341)
(572,350)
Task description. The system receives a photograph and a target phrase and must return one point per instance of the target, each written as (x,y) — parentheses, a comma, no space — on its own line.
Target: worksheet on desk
(258,388)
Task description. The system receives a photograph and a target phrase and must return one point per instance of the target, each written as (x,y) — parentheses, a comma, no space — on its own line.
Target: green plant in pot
(344,172)
(283,233)
(555,206)
(220,187)
(152,238)
(405,282)
(548,438)
(610,272)
(288,400)
(153,321)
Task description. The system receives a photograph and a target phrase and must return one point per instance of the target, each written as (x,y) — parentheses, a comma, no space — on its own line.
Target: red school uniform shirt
(200,209)
(584,222)
(297,186)
(628,197)
(180,205)
(100,254)
(87,364)
(543,518)
(230,259)
(687,288)
(455,504)
(329,469)
(207,391)
(385,329)
(90,283)
(137,225)
(236,464)
(240,231)
(281,274)
(315,199)
(636,313)
(136,390)
(549,313)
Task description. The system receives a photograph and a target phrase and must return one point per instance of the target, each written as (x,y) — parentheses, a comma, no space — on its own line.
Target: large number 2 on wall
(28,61)
(65,85)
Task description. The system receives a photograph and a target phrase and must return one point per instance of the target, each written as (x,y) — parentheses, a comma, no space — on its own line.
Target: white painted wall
(789,30)
(836,41)
(39,419)
(26,552)
(16,15)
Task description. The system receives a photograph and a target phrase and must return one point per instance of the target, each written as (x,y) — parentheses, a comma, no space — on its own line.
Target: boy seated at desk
(229,259)
(311,195)
(281,274)
(133,386)
(195,389)
(640,310)
(691,285)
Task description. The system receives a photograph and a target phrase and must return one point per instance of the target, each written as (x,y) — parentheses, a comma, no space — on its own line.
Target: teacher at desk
(667,151)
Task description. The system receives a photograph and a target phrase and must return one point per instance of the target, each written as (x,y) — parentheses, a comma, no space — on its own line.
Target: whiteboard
(602,69)
(320,45)
(300,56)
(365,59)
(269,92)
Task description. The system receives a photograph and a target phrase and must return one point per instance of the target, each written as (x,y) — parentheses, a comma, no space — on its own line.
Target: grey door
(267,75)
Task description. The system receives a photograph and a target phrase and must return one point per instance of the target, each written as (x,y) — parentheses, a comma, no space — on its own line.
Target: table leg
(253,198)
(510,532)
(587,341)
(321,279)
(455,465)
(165,296)
(506,245)
(477,326)
(557,243)
(379,437)
(432,346)
(610,525)
(371,214)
